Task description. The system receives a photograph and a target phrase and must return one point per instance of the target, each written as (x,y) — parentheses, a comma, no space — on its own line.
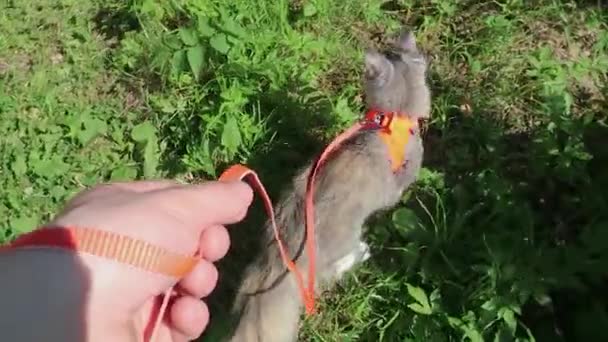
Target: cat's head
(396,80)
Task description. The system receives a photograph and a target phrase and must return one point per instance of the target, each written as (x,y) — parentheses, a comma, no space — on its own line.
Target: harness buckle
(378,120)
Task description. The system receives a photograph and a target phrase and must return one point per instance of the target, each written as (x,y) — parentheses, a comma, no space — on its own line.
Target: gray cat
(355,183)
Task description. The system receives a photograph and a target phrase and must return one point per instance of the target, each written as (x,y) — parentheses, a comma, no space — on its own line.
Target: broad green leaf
(143,132)
(18,166)
(196,54)
(405,219)
(58,192)
(153,8)
(509,317)
(420,296)
(160,55)
(178,62)
(172,41)
(502,336)
(489,305)
(231,136)
(219,43)
(473,334)
(166,106)
(151,159)
(420,309)
(92,128)
(435,299)
(309,9)
(49,168)
(188,36)
(123,173)
(23,224)
(204,28)
(455,322)
(207,162)
(74,124)
(233,27)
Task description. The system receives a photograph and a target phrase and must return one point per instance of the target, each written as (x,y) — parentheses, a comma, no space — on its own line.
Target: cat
(353,184)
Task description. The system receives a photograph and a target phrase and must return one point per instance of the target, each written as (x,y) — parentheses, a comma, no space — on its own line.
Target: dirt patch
(576,45)
(57,55)
(21,62)
(370,36)
(337,78)
(3,66)
(113,23)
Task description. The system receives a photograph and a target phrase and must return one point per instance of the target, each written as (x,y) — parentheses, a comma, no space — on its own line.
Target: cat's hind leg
(347,262)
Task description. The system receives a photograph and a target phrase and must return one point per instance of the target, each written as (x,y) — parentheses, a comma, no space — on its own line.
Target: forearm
(43,296)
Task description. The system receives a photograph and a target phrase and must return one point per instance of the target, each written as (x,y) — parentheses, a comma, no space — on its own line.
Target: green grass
(504,237)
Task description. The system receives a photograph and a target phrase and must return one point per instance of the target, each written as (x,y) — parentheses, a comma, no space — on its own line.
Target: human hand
(180,218)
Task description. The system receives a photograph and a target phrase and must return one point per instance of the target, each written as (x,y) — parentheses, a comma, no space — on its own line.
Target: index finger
(206,204)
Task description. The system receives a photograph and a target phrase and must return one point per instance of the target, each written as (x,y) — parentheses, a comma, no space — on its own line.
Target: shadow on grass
(508,203)
(114,22)
(599,4)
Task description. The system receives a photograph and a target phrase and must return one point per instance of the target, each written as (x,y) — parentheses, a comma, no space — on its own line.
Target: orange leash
(386,123)
(240,172)
(155,259)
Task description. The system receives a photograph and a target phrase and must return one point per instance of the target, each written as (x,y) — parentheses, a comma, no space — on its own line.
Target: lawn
(503,238)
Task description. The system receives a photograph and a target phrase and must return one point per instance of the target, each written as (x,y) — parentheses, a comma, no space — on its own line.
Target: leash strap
(310,212)
(240,172)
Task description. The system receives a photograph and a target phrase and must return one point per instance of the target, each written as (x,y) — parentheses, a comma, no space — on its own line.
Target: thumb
(204,205)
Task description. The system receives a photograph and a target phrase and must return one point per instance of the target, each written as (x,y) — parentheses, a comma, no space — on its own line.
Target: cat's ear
(378,69)
(407,40)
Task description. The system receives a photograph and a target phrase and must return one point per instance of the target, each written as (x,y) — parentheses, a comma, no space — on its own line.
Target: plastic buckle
(378,120)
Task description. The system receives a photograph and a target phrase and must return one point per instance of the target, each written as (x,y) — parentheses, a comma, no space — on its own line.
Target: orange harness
(394,130)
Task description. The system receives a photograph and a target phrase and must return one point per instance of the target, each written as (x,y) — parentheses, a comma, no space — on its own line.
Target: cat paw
(353,258)
(364,251)
(345,263)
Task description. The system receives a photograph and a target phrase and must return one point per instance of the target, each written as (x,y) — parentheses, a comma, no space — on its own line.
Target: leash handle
(113,246)
(109,245)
